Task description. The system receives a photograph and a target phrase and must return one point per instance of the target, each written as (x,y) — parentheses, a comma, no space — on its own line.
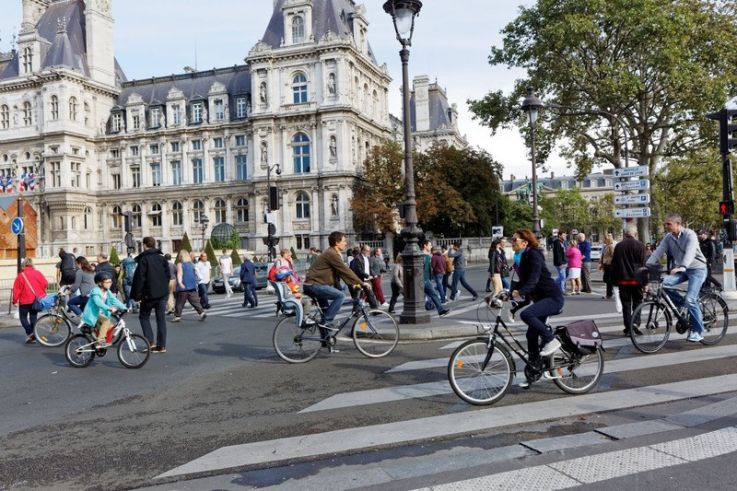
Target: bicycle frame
(661,295)
(359,309)
(117,329)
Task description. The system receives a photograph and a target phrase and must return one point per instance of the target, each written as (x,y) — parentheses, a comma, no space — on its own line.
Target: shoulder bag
(37,305)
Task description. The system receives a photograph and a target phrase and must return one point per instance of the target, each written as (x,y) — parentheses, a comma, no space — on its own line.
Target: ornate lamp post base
(413,261)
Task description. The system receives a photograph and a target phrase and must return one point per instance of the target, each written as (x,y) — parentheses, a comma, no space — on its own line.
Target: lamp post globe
(532,105)
(403,13)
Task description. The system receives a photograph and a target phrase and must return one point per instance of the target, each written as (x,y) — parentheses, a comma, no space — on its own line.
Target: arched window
(5,117)
(27,114)
(177,216)
(117,217)
(241,210)
(221,211)
(73,108)
(198,208)
(54,107)
(136,218)
(87,220)
(298,29)
(303,205)
(301,153)
(155,215)
(299,88)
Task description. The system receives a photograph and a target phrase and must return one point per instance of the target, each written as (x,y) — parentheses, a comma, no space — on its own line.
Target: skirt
(574,273)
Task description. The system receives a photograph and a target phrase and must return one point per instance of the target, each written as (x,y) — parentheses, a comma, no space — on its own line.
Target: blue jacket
(248,272)
(585,248)
(96,306)
(534,277)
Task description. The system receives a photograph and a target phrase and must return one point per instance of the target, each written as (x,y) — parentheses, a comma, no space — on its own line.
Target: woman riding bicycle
(536,284)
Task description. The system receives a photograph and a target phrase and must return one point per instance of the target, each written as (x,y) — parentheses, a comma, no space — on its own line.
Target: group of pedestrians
(572,261)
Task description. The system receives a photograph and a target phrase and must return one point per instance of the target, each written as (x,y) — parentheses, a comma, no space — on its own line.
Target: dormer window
(117,122)
(241,107)
(197,113)
(298,29)
(136,120)
(299,88)
(219,110)
(176,114)
(155,117)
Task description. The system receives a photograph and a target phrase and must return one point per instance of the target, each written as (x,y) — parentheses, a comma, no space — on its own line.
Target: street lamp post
(270,227)
(204,222)
(403,14)
(532,106)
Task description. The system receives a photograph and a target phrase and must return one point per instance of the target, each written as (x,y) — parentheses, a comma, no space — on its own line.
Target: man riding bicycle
(324,276)
(682,245)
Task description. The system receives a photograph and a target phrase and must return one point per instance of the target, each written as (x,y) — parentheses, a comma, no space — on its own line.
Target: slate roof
(327,16)
(438,110)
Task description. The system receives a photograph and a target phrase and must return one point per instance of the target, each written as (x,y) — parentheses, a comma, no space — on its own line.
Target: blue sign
(16,226)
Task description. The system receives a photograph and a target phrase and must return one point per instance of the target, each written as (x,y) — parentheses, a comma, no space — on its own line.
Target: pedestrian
(84,281)
(202,270)
(585,247)
(172,283)
(428,279)
(248,281)
(559,259)
(28,285)
(362,268)
(377,267)
(709,250)
(397,282)
(447,281)
(226,269)
(459,273)
(437,269)
(103,265)
(628,259)
(129,268)
(605,265)
(65,268)
(186,289)
(505,269)
(574,259)
(150,289)
(499,266)
(492,260)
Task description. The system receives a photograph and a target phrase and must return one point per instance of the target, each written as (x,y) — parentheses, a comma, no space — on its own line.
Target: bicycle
(299,336)
(481,370)
(133,349)
(652,319)
(55,327)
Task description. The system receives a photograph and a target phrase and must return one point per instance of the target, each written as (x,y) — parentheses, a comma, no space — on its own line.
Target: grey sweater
(84,281)
(459,260)
(684,250)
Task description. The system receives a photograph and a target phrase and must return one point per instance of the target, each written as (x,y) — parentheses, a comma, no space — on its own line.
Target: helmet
(102,276)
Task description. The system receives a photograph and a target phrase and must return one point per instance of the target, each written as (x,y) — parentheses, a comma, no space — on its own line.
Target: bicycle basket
(582,336)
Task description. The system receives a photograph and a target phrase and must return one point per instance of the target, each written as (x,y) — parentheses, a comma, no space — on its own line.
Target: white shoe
(695,337)
(553,374)
(550,348)
(525,384)
(385,304)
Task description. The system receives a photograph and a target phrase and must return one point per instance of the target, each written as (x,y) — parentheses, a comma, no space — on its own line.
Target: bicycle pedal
(332,349)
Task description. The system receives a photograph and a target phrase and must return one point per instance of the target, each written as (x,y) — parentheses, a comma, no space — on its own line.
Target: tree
(113,257)
(211,254)
(568,209)
(185,245)
(235,257)
(604,220)
(376,198)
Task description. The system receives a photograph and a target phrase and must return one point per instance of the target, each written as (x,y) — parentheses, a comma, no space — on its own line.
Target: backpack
(581,336)
(129,269)
(271,275)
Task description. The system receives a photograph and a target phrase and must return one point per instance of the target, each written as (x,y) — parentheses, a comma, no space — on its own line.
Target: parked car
(235,279)
(596,252)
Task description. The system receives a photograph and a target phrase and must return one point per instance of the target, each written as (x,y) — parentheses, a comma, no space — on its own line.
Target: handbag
(38,305)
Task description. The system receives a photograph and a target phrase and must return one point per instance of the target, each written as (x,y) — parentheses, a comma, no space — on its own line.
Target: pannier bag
(582,335)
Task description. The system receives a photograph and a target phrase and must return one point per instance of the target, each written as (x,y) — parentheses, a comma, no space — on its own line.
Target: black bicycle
(481,370)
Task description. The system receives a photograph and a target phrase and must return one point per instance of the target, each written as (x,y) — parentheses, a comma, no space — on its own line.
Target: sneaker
(158,349)
(102,345)
(695,337)
(553,374)
(385,304)
(525,384)
(443,313)
(203,316)
(177,319)
(31,339)
(550,347)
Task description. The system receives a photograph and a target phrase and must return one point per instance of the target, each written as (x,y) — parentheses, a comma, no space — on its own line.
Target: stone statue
(334,205)
(262,93)
(331,84)
(333,148)
(264,152)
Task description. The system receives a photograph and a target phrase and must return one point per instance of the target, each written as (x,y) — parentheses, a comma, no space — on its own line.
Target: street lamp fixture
(271,227)
(532,105)
(403,14)
(204,222)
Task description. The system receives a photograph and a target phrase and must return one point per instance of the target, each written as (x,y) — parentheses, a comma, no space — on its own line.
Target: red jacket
(437,264)
(22,293)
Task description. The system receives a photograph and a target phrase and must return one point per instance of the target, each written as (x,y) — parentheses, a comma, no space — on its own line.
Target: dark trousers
(710,280)
(249,295)
(202,291)
(144,316)
(586,277)
(535,317)
(396,290)
(631,297)
(77,304)
(608,280)
(459,275)
(28,317)
(180,298)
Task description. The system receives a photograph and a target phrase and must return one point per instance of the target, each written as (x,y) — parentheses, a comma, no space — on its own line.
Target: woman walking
(397,283)
(575,261)
(186,287)
(605,264)
(28,285)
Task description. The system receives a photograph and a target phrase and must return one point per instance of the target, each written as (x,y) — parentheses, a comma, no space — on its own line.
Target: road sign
(632,185)
(632,212)
(632,199)
(640,170)
(17,225)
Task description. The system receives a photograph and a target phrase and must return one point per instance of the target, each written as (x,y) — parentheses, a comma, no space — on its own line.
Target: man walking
(459,272)
(129,269)
(709,250)
(585,247)
(628,258)
(151,288)
(376,267)
(560,260)
(226,269)
(427,277)
(202,270)
(362,268)
(248,280)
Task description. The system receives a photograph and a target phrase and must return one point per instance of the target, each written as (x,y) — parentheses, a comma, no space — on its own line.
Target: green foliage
(211,254)
(517,215)
(233,242)
(235,257)
(185,243)
(113,257)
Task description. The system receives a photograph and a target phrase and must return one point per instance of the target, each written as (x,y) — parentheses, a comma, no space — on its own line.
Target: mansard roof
(193,86)
(439,107)
(334,16)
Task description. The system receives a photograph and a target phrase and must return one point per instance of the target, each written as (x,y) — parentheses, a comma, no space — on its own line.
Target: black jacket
(357,267)
(628,258)
(534,277)
(559,253)
(708,249)
(151,279)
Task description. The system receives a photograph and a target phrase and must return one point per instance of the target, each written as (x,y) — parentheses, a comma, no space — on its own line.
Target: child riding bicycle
(101,304)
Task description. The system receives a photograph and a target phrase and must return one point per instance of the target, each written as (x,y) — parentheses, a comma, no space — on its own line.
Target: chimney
(552,174)
(421,85)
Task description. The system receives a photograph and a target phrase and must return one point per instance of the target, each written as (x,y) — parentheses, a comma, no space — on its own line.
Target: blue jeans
(561,279)
(534,316)
(324,294)
(439,285)
(695,279)
(505,282)
(430,292)
(77,304)
(129,302)
(202,291)
(249,294)
(460,275)
(27,318)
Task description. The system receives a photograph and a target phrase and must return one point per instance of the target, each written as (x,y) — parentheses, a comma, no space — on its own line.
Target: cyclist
(535,283)
(324,275)
(689,264)
(100,305)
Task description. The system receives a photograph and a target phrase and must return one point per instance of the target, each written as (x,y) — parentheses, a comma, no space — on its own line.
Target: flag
(22,183)
(31,181)
(3,183)
(9,185)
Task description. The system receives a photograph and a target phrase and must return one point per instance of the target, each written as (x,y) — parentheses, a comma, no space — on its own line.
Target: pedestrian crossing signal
(726,208)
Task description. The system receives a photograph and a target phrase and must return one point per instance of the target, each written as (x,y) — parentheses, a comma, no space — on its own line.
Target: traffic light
(273,198)
(727,129)
(726,208)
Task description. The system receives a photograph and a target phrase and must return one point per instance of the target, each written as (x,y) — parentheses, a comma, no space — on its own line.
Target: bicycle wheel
(133,351)
(716,318)
(471,380)
(654,326)
(294,344)
(578,373)
(376,334)
(52,330)
(79,351)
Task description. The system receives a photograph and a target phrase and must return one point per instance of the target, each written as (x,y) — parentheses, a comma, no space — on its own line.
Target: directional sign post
(632,199)
(641,170)
(632,185)
(17,226)
(632,212)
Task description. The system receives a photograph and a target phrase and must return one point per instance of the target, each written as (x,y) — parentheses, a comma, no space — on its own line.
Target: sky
(451,43)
